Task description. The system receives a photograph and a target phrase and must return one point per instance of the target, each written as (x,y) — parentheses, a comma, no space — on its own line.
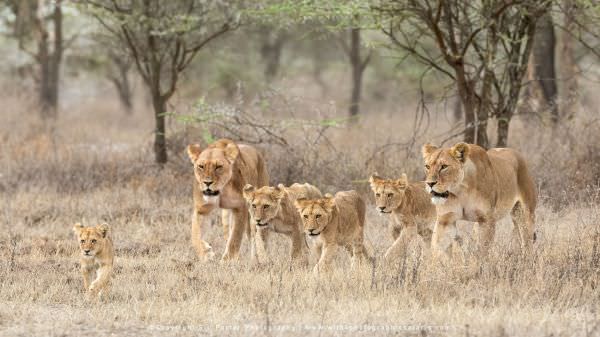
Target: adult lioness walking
(221,171)
(466,182)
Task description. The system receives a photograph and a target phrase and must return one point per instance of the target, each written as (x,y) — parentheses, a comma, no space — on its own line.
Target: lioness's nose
(207,183)
(431,183)
(382,208)
(87,251)
(258,221)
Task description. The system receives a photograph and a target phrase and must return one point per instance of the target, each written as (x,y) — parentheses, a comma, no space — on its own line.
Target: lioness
(469,183)
(221,171)
(334,221)
(97,256)
(411,208)
(272,209)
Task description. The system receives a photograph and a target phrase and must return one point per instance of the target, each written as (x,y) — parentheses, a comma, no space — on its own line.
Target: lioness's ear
(77,228)
(460,151)
(103,228)
(402,183)
(231,152)
(194,151)
(428,149)
(248,192)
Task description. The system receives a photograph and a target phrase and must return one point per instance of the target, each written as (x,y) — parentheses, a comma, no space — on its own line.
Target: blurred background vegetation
(332,89)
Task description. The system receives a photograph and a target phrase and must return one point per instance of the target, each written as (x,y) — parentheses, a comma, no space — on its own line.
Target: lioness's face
(263,204)
(315,214)
(213,168)
(444,170)
(389,194)
(91,239)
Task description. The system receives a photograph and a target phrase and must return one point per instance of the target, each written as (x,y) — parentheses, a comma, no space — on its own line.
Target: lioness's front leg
(443,235)
(327,254)
(240,222)
(200,219)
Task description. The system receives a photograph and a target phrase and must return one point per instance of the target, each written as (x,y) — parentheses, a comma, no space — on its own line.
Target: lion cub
(411,208)
(272,209)
(335,221)
(97,256)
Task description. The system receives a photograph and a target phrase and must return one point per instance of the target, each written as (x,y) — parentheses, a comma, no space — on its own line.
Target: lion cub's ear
(428,149)
(231,152)
(103,228)
(77,228)
(374,179)
(278,192)
(460,151)
(301,203)
(402,183)
(248,192)
(328,202)
(193,151)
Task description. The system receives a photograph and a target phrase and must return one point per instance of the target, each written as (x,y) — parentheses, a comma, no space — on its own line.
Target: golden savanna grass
(95,165)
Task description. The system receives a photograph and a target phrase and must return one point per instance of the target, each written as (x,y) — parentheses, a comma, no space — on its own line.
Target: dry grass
(93,169)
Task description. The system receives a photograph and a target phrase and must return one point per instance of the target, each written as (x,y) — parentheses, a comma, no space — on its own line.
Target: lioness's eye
(253,205)
(377,195)
(82,241)
(219,167)
(390,195)
(93,240)
(318,216)
(265,206)
(201,167)
(305,216)
(427,167)
(444,167)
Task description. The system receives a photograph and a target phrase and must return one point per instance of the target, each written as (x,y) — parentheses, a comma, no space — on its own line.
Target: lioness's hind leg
(524,222)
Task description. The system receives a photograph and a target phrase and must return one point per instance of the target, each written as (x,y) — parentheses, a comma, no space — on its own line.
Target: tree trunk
(502,132)
(568,64)
(270,51)
(544,64)
(120,80)
(49,62)
(357,71)
(160,141)
(476,115)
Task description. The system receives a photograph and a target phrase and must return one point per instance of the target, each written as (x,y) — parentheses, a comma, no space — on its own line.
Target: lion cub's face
(91,239)
(213,167)
(264,203)
(389,193)
(444,169)
(315,213)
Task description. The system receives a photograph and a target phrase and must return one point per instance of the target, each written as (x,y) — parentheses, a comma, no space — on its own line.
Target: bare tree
(358,64)
(543,66)
(272,42)
(163,38)
(482,46)
(40,23)
(118,74)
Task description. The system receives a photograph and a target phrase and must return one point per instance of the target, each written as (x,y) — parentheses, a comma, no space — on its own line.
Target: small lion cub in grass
(96,259)
(410,206)
(332,222)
